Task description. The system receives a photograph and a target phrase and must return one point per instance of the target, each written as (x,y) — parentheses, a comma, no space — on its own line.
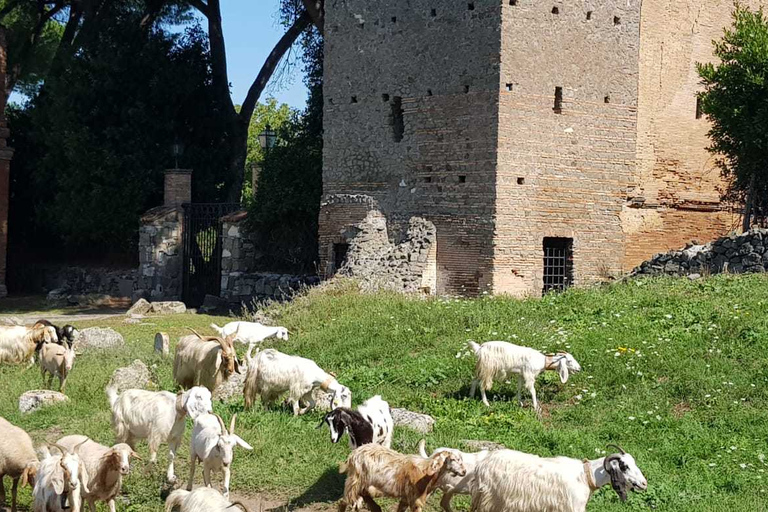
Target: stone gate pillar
(6,154)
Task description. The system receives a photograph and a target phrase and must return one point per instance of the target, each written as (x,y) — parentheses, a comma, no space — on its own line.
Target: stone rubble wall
(240,282)
(67,281)
(379,263)
(160,254)
(745,253)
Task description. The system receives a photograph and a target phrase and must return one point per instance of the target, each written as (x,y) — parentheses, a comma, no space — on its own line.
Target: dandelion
(743,466)
(631,418)
(712,464)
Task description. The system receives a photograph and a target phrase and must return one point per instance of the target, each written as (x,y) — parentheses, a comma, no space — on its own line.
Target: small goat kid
(204,361)
(56,361)
(499,360)
(17,459)
(370,423)
(60,480)
(450,483)
(272,373)
(202,499)
(511,480)
(106,468)
(66,335)
(214,446)
(251,333)
(18,342)
(373,470)
(158,416)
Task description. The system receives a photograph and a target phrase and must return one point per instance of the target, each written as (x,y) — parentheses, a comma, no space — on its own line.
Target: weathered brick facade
(507,122)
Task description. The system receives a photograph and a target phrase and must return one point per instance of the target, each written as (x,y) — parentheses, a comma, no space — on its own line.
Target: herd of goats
(77,469)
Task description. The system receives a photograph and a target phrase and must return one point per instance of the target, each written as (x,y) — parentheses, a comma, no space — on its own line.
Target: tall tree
(735,98)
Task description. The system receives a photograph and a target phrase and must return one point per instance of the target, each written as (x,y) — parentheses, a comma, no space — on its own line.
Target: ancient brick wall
(676,184)
(410,121)
(563,169)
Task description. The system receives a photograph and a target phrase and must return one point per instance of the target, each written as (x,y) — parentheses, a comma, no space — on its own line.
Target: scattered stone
(57,296)
(135,376)
(476,446)
(131,321)
(419,422)
(99,338)
(231,389)
(694,277)
(162,344)
(173,307)
(140,307)
(39,398)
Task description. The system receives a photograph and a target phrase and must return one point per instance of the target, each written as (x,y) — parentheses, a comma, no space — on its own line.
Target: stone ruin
(737,254)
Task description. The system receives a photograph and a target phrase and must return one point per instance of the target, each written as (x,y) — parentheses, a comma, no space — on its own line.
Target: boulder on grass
(231,388)
(140,307)
(39,398)
(171,307)
(98,338)
(423,423)
(135,376)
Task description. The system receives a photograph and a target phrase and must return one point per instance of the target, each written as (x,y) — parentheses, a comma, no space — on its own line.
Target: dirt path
(267,503)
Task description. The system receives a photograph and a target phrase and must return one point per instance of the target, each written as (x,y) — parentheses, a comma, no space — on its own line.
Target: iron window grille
(558,264)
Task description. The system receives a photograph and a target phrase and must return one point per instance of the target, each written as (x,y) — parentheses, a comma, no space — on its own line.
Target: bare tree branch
(200,6)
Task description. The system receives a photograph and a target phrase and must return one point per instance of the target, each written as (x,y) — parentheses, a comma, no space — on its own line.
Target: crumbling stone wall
(160,254)
(746,253)
(403,266)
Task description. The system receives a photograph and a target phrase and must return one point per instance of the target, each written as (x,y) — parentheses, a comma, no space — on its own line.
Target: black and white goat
(66,335)
(370,423)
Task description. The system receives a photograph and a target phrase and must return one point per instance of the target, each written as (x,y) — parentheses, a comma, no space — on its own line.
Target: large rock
(98,338)
(140,307)
(231,389)
(39,398)
(135,376)
(476,446)
(172,307)
(423,423)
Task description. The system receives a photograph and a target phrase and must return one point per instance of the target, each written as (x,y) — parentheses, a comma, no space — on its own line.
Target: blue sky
(250,31)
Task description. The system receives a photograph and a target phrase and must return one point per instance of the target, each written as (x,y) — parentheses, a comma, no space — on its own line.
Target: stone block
(422,423)
(38,398)
(168,307)
(98,338)
(135,376)
(140,307)
(162,344)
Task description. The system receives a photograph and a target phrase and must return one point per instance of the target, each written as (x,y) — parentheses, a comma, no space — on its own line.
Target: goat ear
(618,482)
(135,455)
(28,476)
(83,477)
(437,464)
(58,485)
(562,369)
(242,443)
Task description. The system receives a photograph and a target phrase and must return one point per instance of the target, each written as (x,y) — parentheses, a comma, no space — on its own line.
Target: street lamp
(267,138)
(177,149)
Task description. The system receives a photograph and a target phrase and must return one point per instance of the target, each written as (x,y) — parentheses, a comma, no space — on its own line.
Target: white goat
(18,342)
(272,373)
(204,361)
(17,459)
(499,360)
(106,468)
(510,480)
(202,499)
(214,446)
(451,483)
(158,417)
(60,479)
(370,423)
(57,361)
(251,333)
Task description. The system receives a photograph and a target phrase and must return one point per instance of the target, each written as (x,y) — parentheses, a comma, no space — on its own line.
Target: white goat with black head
(60,481)
(158,416)
(452,483)
(370,423)
(510,480)
(212,444)
(499,360)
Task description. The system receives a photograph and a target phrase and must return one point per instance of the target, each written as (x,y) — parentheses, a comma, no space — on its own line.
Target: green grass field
(674,370)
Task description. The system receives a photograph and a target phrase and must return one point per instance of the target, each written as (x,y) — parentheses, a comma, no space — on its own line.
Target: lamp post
(267,139)
(177,149)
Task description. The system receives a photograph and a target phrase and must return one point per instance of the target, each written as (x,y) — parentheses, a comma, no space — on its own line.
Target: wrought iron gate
(202,250)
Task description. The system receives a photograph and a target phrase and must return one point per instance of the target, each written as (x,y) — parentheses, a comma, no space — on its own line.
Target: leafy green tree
(735,98)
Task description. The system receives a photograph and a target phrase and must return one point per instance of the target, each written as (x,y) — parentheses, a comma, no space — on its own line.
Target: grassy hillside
(674,370)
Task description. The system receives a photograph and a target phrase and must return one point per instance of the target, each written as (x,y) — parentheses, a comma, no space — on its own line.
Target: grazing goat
(66,335)
(157,416)
(202,499)
(251,333)
(370,423)
(18,342)
(510,480)
(499,360)
(60,479)
(106,468)
(373,470)
(17,459)
(272,373)
(214,446)
(57,361)
(204,361)
(450,483)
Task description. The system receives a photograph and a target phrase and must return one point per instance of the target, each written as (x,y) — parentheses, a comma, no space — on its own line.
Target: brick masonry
(177,187)
(445,110)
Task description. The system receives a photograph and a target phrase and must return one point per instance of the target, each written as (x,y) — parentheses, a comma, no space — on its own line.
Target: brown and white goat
(105,466)
(56,361)
(204,361)
(373,470)
(17,459)
(18,342)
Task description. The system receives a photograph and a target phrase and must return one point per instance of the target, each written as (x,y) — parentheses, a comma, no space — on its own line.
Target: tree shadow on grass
(328,488)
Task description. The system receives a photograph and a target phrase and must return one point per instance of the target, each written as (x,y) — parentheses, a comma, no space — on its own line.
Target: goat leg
(372,505)
(226,482)
(473,388)
(2,490)
(173,445)
(192,464)
(445,501)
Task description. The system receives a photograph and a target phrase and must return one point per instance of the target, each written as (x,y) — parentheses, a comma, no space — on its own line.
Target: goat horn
(221,424)
(609,459)
(617,447)
(195,333)
(78,445)
(63,450)
(232,425)
(238,504)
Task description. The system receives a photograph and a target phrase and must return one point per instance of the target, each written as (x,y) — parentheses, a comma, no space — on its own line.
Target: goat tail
(218,329)
(422,449)
(112,395)
(175,499)
(474,346)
